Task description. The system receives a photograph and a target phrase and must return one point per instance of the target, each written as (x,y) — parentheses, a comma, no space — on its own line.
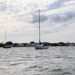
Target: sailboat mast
(39,26)
(5,36)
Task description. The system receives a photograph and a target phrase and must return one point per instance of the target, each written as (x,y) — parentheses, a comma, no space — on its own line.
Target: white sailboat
(40,45)
(6,46)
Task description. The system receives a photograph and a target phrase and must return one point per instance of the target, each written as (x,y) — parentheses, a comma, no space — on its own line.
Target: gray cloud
(3,6)
(54,18)
(56,4)
(36,18)
(60,18)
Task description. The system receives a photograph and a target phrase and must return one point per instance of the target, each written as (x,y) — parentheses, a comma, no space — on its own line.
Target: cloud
(35,19)
(17,6)
(20,18)
(56,4)
(69,3)
(60,18)
(3,6)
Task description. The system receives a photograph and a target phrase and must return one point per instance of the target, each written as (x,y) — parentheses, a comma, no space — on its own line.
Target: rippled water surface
(28,61)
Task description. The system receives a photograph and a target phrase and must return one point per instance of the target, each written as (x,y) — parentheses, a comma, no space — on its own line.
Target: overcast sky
(19,18)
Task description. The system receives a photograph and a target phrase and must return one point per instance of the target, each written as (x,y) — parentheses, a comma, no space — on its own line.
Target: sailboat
(40,45)
(6,45)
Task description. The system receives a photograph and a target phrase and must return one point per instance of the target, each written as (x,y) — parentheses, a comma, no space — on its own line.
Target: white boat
(6,46)
(40,46)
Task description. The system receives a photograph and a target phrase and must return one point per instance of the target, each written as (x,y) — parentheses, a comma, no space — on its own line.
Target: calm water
(28,61)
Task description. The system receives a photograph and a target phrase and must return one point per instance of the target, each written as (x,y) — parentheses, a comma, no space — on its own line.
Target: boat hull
(6,46)
(41,47)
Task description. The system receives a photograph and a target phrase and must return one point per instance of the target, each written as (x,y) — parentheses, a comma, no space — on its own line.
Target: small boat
(40,46)
(6,45)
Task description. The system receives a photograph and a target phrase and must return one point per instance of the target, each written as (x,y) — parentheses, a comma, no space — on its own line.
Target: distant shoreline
(33,44)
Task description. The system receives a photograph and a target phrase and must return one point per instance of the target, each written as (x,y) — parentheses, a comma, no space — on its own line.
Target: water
(28,61)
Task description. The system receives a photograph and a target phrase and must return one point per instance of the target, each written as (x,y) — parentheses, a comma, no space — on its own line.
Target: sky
(20,20)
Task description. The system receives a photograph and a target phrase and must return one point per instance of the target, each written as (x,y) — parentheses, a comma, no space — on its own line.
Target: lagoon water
(28,61)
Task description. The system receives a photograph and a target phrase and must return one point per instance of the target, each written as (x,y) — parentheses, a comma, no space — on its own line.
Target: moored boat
(40,46)
(6,46)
